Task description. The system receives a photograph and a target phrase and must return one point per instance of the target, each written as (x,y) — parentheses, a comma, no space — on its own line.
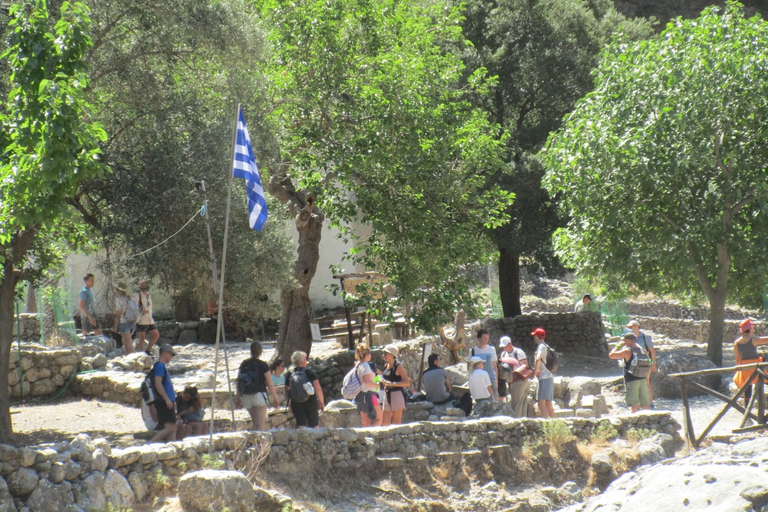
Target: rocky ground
(39,422)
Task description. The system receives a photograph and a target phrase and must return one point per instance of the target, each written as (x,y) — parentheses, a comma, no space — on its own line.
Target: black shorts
(502,388)
(145,328)
(164,415)
(306,413)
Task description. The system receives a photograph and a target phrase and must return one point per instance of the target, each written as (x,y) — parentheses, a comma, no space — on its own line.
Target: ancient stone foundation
(87,474)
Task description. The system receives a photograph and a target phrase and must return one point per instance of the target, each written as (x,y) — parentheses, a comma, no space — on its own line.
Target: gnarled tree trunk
(295,332)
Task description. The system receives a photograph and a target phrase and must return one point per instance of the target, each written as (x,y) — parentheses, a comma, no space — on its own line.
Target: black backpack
(297,382)
(148,392)
(553,359)
(248,378)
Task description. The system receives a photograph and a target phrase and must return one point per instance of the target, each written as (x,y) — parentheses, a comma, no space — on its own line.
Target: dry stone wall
(574,333)
(87,474)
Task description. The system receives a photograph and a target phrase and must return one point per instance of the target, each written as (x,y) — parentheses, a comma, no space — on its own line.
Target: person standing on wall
(645,341)
(146,323)
(126,314)
(545,394)
(87,307)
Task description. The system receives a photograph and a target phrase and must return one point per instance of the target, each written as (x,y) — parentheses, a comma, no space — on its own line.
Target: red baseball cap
(746,325)
(539,332)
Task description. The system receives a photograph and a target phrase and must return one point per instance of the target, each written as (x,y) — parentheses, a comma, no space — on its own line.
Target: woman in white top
(367,400)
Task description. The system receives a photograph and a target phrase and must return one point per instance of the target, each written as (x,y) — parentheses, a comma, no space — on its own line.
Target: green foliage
(166,79)
(662,168)
(635,435)
(557,432)
(212,462)
(604,432)
(542,53)
(158,481)
(377,126)
(50,143)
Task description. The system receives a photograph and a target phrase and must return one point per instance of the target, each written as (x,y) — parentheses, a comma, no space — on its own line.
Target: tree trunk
(31,304)
(7,287)
(509,282)
(716,321)
(295,332)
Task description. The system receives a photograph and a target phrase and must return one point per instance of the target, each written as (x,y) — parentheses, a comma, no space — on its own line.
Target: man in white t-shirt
(479,382)
(545,394)
(488,354)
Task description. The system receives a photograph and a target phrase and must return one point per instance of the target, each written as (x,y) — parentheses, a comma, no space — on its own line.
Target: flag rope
(173,235)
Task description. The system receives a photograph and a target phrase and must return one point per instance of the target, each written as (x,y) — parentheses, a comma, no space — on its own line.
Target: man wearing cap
(165,403)
(479,382)
(644,341)
(488,355)
(636,390)
(146,323)
(582,304)
(518,388)
(545,394)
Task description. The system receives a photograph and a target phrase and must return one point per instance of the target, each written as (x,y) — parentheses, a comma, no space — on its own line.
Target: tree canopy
(374,121)
(542,53)
(662,168)
(50,146)
(166,78)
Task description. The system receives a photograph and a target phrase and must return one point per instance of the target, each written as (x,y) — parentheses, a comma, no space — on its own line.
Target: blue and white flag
(244,166)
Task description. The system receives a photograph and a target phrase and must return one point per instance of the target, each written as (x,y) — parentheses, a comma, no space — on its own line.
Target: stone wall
(574,333)
(697,330)
(87,474)
(40,372)
(29,325)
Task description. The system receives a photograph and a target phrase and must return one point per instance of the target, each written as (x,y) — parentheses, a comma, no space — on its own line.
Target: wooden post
(690,437)
(760,392)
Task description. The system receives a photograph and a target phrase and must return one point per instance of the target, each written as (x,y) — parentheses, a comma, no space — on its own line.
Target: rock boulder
(214,491)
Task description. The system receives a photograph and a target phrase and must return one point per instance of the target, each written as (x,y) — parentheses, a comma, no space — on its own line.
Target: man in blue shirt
(165,403)
(87,307)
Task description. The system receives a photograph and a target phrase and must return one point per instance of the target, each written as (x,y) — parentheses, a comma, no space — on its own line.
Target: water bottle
(309,388)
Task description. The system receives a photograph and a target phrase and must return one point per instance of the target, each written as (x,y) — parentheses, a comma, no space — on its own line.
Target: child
(190,409)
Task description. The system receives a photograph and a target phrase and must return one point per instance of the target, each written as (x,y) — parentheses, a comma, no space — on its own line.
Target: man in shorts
(146,323)
(636,390)
(166,397)
(645,341)
(87,307)
(545,394)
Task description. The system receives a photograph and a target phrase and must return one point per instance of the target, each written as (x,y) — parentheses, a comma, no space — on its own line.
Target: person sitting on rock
(479,381)
(190,409)
(166,412)
(437,384)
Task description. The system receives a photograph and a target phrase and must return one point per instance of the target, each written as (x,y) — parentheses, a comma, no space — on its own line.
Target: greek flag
(244,166)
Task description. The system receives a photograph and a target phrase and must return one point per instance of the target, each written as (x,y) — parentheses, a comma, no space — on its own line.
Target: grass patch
(635,435)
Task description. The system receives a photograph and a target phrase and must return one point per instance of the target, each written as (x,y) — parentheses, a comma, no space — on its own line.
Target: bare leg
(258,417)
(127,343)
(153,337)
(167,434)
(386,419)
(650,389)
(397,417)
(365,420)
(142,337)
(379,416)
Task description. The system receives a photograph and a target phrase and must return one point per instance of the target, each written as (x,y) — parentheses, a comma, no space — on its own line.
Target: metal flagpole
(220,325)
(223,273)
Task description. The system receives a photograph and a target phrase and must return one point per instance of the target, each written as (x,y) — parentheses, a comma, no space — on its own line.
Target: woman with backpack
(126,315)
(253,380)
(367,400)
(305,395)
(394,380)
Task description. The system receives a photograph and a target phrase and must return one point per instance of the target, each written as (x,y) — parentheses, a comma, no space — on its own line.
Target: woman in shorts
(395,380)
(367,400)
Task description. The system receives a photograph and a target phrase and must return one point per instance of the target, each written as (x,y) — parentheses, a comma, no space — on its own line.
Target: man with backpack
(645,341)
(514,362)
(166,397)
(545,394)
(637,366)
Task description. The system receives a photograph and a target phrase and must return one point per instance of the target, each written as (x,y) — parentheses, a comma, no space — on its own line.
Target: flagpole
(223,273)
(215,273)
